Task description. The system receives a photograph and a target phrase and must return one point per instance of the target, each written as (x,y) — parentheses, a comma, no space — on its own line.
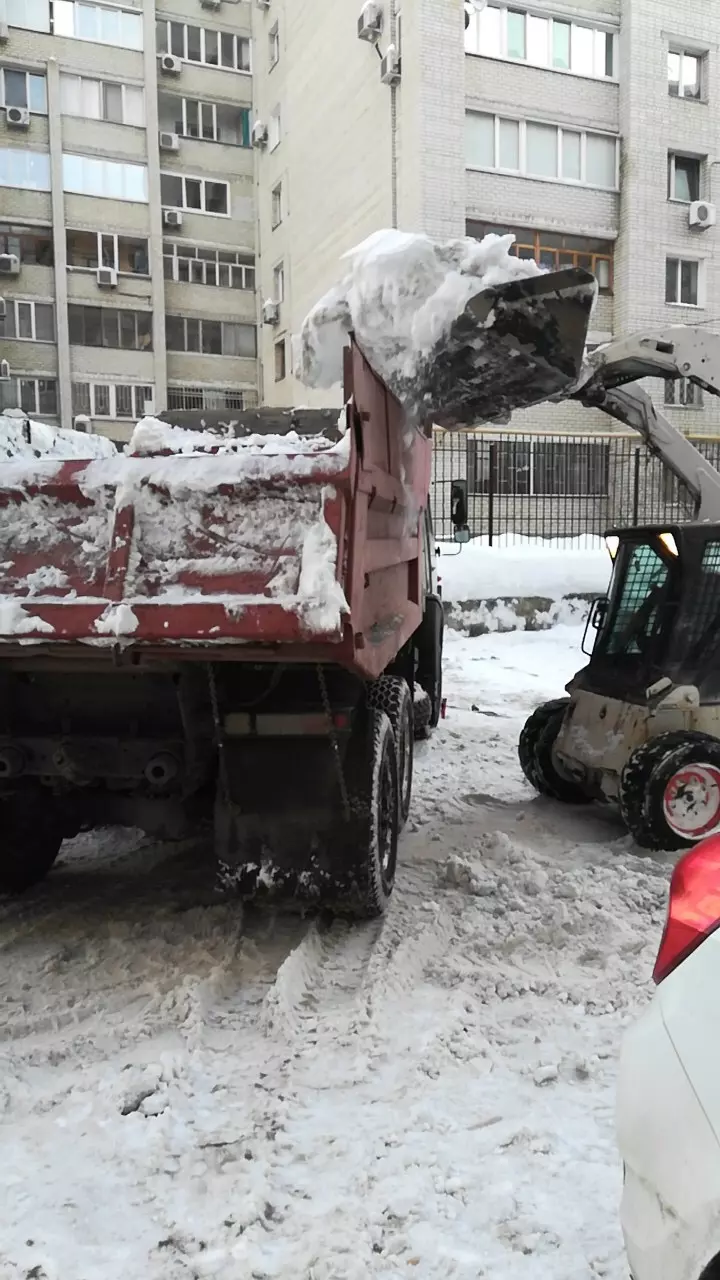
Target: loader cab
(661,618)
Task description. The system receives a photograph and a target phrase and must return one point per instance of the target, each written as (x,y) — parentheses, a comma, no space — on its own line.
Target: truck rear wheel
(535,751)
(392,695)
(30,838)
(670,791)
(374,826)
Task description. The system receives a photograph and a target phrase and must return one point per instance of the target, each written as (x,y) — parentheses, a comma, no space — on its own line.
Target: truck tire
(430,648)
(372,778)
(30,838)
(670,791)
(392,695)
(535,751)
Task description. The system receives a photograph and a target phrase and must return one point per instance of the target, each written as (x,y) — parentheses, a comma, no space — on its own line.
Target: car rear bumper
(671,1156)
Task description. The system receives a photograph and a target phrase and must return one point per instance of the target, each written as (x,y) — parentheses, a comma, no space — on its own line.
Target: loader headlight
(669,543)
(612,543)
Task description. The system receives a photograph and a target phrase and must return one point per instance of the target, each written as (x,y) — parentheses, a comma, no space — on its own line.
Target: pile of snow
(400,296)
(151,436)
(513,568)
(22,438)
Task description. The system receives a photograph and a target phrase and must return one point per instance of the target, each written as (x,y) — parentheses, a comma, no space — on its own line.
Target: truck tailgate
(218,548)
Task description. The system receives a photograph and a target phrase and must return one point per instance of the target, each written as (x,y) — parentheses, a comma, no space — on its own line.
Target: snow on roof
(399,296)
(20,438)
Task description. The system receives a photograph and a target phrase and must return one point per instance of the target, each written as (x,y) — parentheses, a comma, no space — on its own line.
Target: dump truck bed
(307,545)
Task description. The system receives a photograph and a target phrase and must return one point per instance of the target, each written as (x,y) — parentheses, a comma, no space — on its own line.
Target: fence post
(636,487)
(491,490)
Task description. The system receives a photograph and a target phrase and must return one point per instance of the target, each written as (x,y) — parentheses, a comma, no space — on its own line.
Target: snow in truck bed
(22,438)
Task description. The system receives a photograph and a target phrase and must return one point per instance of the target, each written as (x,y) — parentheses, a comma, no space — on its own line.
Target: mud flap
(514,345)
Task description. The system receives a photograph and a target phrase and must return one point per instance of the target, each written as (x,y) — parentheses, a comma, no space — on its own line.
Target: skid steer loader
(640,728)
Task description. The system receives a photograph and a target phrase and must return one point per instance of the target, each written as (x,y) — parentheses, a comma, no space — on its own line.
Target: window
(683,394)
(682,277)
(223,268)
(274,46)
(33,245)
(554,250)
(30,321)
(635,612)
(541,150)
(103,400)
(208,121)
(109,327)
(200,194)
(27,169)
(195,44)
(277,206)
(38,396)
(88,250)
(86,176)
(280,360)
(685,75)
(93,22)
(683,177)
(102,100)
(539,467)
(279,282)
(274,129)
(499,32)
(211,337)
(210,398)
(31,15)
(23,89)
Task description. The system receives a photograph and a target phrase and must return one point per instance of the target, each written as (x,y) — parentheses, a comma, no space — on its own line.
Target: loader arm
(678,352)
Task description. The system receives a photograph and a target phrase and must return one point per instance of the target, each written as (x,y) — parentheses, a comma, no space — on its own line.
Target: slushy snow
(400,294)
(188,1091)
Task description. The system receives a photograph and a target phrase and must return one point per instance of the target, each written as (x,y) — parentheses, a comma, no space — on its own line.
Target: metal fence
(552,486)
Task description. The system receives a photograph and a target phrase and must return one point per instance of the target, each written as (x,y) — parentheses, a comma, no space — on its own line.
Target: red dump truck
(242,631)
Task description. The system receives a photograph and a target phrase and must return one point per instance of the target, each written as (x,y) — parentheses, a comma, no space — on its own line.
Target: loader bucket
(514,345)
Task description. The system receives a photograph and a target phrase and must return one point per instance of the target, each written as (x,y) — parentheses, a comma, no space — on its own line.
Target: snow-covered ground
(187,1092)
(515,566)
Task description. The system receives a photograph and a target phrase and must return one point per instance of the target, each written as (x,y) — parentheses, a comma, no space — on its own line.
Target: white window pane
(112,107)
(70,95)
(603,54)
(542,150)
(90,99)
(44,322)
(582,51)
(87,25)
(131,31)
(600,161)
(113,180)
(538,41)
(72,173)
(509,157)
(515,28)
(24,320)
(37,93)
(690,76)
(134,105)
(32,15)
(561,45)
(489,32)
(135,181)
(109,26)
(480,140)
(63,17)
(571,156)
(674,73)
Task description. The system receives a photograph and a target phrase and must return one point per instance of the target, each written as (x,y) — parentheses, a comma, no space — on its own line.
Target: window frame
(112,388)
(191,253)
(23,71)
(104,84)
(103,194)
(683,52)
(243,111)
(19,231)
(276,206)
(36,379)
(112,8)
(527,445)
(700,264)
(700,161)
(32,303)
(522,171)
(191,177)
(682,385)
(198,396)
(472,34)
(107,317)
(116,237)
(274,45)
(280,360)
(274,129)
(201,321)
(29,155)
(202,61)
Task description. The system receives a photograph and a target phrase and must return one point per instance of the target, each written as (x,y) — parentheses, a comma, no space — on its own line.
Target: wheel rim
(691,801)
(386,822)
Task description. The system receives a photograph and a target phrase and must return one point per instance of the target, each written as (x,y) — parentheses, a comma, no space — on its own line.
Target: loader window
(642,579)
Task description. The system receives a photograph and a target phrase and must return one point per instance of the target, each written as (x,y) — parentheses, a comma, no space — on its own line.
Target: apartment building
(127,224)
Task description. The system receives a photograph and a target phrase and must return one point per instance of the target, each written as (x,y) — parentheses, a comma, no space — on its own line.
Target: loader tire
(30,838)
(392,695)
(670,791)
(535,751)
(370,838)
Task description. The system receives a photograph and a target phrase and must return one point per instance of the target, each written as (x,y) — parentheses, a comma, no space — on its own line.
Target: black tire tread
(370,892)
(530,736)
(391,694)
(638,806)
(30,838)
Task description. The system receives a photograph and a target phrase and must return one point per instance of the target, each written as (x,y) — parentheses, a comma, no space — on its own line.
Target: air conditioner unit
(81,422)
(370,22)
(4,370)
(169,142)
(107,277)
(172,218)
(4,32)
(9,264)
(259,134)
(210,4)
(702,214)
(17,117)
(170,65)
(390,67)
(271,312)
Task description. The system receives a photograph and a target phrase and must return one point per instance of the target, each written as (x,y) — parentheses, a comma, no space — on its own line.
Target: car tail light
(694,908)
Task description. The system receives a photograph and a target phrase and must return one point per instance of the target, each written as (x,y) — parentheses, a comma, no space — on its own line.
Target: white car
(669,1090)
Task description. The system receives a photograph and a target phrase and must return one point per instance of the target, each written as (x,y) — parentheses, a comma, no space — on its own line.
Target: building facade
(179,180)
